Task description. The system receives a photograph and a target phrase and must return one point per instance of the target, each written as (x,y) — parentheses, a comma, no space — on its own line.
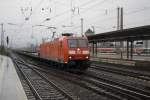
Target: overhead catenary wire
(67,11)
(95,5)
(135,22)
(57,14)
(128,13)
(87,9)
(114,17)
(33,10)
(82,5)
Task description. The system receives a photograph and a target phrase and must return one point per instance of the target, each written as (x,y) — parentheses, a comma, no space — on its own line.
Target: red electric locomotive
(67,52)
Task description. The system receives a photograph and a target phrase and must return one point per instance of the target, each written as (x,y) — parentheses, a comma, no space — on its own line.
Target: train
(137,51)
(106,50)
(139,48)
(67,52)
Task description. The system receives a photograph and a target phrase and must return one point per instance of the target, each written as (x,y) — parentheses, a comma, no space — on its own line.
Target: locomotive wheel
(60,66)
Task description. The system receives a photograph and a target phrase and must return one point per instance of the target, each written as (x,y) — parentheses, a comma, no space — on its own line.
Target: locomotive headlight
(87,57)
(70,57)
(85,52)
(72,52)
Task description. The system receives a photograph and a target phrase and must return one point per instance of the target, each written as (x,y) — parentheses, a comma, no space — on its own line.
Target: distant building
(89,32)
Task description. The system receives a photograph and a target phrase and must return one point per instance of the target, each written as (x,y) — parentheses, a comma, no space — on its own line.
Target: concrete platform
(114,61)
(10,85)
(138,64)
(141,57)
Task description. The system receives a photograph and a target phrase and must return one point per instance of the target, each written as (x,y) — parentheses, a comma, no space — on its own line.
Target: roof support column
(127,49)
(96,49)
(92,48)
(131,50)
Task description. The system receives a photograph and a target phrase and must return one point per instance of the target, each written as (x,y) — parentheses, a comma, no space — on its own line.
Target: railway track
(122,91)
(29,93)
(80,93)
(75,81)
(126,72)
(42,88)
(132,90)
(100,85)
(109,87)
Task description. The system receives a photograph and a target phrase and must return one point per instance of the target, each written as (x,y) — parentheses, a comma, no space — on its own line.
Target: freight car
(67,52)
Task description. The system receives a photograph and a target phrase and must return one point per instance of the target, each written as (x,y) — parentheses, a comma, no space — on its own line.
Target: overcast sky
(102,14)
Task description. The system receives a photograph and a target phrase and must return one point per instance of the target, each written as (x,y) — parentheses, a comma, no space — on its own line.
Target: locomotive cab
(78,52)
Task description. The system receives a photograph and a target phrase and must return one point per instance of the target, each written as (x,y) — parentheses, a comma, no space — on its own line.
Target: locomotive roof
(64,37)
(74,37)
(67,34)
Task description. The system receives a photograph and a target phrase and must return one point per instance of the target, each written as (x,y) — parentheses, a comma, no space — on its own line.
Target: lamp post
(2,37)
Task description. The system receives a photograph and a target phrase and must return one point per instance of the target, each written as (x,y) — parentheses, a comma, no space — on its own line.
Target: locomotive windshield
(75,43)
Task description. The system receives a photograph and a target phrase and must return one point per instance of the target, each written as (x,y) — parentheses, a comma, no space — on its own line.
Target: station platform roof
(131,34)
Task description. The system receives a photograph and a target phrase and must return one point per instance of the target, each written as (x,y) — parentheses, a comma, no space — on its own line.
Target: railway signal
(7,40)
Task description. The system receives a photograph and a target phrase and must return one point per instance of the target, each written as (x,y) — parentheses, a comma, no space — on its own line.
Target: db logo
(79,52)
